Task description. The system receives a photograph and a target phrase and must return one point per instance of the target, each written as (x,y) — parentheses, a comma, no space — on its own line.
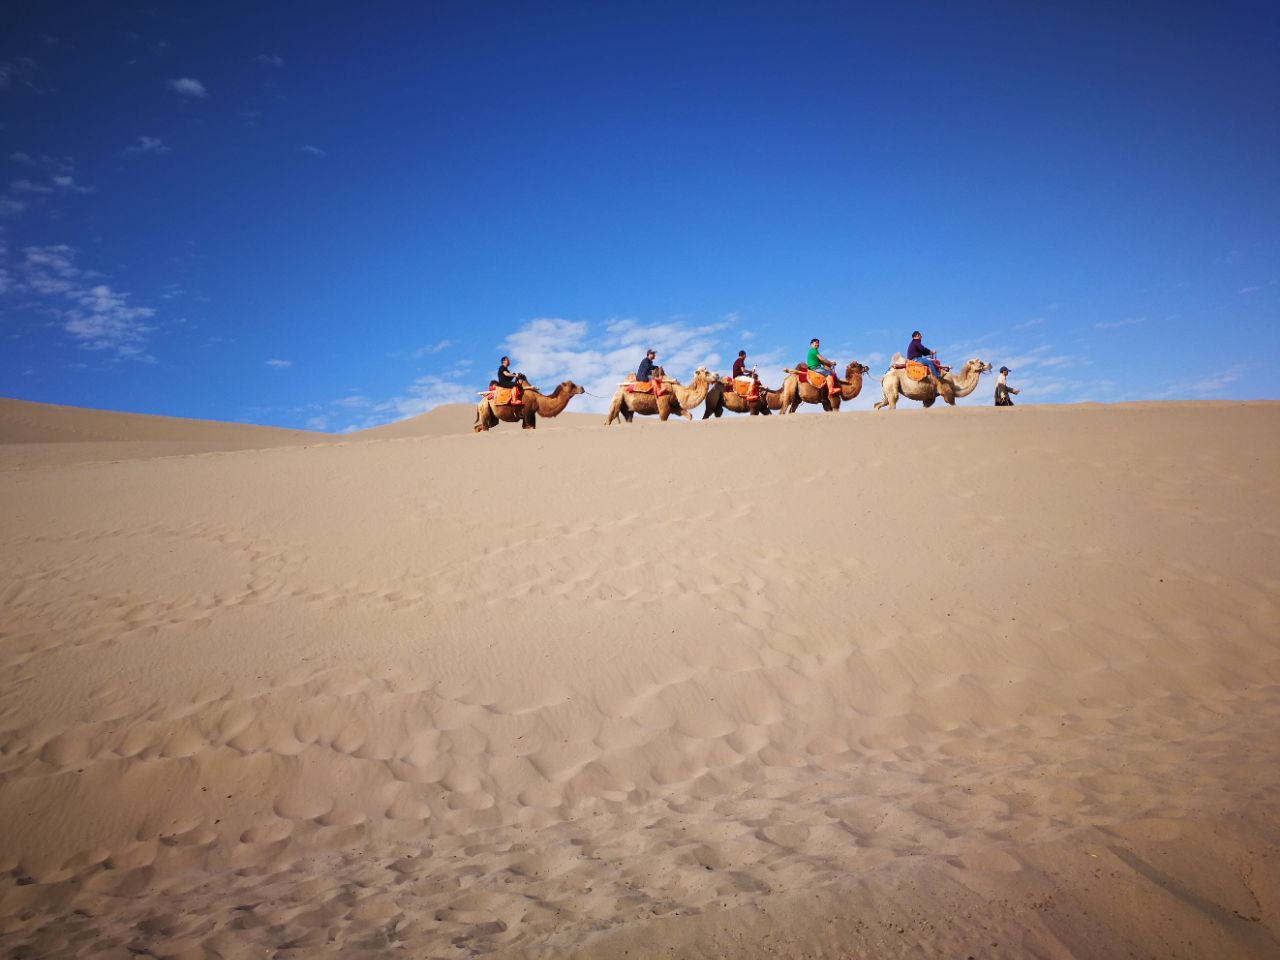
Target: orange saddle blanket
(650,386)
(501,396)
(916,371)
(817,379)
(748,389)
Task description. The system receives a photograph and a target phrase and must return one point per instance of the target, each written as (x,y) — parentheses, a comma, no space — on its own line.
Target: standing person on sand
(820,364)
(916,350)
(1003,389)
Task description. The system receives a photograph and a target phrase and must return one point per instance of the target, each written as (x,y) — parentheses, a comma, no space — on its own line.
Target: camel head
(855,368)
(573,388)
(703,375)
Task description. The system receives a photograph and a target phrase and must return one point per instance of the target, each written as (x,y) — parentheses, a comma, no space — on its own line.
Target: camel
(795,391)
(676,398)
(535,404)
(720,397)
(953,385)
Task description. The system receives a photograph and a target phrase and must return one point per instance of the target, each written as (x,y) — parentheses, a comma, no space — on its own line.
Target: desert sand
(950,683)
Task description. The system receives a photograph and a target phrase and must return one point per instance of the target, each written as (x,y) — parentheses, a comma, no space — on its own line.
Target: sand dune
(971,682)
(459,418)
(43,434)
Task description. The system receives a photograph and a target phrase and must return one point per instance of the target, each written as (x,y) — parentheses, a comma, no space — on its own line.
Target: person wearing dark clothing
(1003,389)
(740,365)
(509,380)
(916,350)
(644,373)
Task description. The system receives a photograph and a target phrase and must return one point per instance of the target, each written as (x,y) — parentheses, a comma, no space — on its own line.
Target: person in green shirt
(820,364)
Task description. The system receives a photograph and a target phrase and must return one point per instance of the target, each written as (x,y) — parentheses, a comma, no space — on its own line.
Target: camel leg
(890,391)
(930,402)
(530,421)
(614,409)
(664,409)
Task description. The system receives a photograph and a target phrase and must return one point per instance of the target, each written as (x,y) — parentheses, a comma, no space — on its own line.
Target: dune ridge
(967,682)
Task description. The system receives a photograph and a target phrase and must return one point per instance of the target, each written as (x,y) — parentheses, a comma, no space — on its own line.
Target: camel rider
(916,350)
(820,364)
(740,371)
(511,381)
(646,371)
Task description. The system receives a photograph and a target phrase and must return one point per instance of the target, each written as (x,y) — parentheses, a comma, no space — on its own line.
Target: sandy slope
(970,682)
(43,434)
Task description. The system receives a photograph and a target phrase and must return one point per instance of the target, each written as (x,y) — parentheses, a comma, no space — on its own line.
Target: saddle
(747,389)
(916,370)
(817,378)
(654,387)
(501,396)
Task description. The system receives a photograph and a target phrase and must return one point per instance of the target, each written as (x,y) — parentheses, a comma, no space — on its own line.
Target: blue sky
(336,215)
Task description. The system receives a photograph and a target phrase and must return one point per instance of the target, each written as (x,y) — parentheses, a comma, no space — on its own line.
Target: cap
(651,353)
(1005,370)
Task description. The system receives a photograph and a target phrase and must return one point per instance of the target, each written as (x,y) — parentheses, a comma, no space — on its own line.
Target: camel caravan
(650,392)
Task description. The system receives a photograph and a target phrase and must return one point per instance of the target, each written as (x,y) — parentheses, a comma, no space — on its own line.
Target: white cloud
(188,86)
(270,60)
(1255,289)
(93,314)
(313,151)
(549,350)
(69,184)
(145,145)
(10,207)
(26,186)
(430,349)
(1033,322)
(20,72)
(279,364)
(103,320)
(1114,324)
(427,392)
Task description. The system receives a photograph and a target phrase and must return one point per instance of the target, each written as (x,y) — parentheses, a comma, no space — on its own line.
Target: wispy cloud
(280,364)
(69,184)
(103,320)
(1257,288)
(96,316)
(549,350)
(430,349)
(145,145)
(1027,325)
(18,73)
(188,87)
(1114,324)
(313,150)
(269,60)
(27,186)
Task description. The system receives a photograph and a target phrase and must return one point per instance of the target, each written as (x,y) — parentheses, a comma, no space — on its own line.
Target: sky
(331,216)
